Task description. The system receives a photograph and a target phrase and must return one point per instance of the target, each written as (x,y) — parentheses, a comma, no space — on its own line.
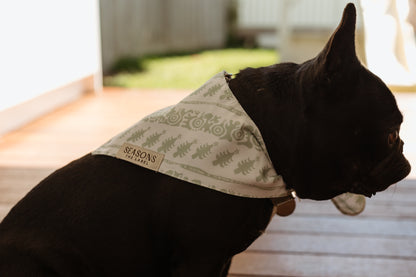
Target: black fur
(326,124)
(100,216)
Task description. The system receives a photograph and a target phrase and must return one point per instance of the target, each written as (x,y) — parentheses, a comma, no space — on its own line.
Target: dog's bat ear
(340,49)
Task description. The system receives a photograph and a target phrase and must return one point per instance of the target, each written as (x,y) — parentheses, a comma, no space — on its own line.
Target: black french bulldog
(330,125)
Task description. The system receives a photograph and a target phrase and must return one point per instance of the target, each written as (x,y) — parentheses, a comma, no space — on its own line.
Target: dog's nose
(392,138)
(401,143)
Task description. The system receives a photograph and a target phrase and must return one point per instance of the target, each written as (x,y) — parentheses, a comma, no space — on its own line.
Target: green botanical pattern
(138,134)
(227,95)
(212,124)
(212,90)
(245,166)
(263,174)
(168,144)
(183,149)
(203,151)
(228,108)
(176,174)
(206,139)
(224,158)
(153,139)
(203,173)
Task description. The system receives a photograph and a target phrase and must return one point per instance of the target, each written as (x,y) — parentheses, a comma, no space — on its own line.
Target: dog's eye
(393,138)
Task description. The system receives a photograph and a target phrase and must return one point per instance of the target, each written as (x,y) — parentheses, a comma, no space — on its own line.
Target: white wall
(46,45)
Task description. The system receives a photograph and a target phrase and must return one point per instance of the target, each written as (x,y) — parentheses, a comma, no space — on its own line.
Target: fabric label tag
(140,156)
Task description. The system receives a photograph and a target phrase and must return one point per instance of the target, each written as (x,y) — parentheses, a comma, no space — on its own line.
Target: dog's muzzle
(388,171)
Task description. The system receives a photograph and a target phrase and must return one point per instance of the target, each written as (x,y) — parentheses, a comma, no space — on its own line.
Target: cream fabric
(206,139)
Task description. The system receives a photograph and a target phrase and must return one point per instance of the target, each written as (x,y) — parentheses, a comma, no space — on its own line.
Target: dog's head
(348,139)
(330,125)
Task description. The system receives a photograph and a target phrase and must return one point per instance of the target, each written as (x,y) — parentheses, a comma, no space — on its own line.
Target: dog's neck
(270,98)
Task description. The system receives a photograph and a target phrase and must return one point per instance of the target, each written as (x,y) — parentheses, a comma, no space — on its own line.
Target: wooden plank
(380,209)
(70,132)
(267,264)
(395,196)
(315,241)
(353,226)
(4,209)
(245,275)
(16,182)
(409,182)
(336,245)
(10,176)
(397,201)
(11,198)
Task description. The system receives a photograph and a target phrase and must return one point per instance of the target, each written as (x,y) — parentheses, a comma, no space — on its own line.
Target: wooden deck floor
(315,241)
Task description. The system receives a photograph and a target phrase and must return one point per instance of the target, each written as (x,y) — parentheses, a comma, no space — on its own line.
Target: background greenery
(185,71)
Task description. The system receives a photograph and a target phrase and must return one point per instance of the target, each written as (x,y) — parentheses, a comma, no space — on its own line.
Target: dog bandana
(206,139)
(209,140)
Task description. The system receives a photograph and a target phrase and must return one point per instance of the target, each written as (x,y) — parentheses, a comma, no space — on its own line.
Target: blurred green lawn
(186,71)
